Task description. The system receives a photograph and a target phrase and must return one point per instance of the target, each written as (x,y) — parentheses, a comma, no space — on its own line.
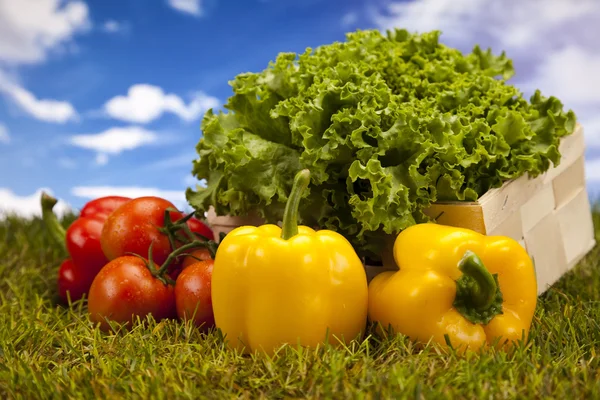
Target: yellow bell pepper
(456,286)
(290,285)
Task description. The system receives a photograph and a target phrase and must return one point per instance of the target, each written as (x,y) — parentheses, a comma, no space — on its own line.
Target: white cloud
(532,20)
(512,23)
(101,159)
(592,170)
(177,197)
(193,7)
(349,19)
(591,129)
(47,110)
(427,15)
(571,74)
(29,29)
(145,103)
(114,141)
(112,26)
(27,206)
(4,136)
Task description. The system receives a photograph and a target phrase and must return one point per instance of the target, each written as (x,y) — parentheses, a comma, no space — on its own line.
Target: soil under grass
(51,351)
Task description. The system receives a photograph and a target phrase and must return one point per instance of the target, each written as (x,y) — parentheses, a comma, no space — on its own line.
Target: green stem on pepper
(478,295)
(289,227)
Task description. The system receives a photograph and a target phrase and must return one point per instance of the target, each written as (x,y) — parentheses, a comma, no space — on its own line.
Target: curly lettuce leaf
(387,124)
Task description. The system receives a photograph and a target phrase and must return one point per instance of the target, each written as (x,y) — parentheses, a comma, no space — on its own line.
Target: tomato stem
(173,231)
(206,242)
(160,273)
(51,221)
(289,226)
(188,232)
(178,252)
(166,230)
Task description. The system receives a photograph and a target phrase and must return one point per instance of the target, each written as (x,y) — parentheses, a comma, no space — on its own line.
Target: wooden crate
(225,223)
(549,215)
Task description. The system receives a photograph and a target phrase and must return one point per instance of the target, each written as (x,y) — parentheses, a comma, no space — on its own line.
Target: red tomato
(192,294)
(198,226)
(70,280)
(102,206)
(182,262)
(83,244)
(194,256)
(125,288)
(132,227)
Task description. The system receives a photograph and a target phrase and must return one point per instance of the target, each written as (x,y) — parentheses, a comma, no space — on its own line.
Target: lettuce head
(386,123)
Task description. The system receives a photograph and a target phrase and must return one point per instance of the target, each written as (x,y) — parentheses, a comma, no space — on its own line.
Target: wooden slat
(225,224)
(537,207)
(499,204)
(576,225)
(568,183)
(465,215)
(546,248)
(512,227)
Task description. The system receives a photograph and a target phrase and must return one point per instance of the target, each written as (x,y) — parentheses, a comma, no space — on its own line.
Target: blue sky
(106,96)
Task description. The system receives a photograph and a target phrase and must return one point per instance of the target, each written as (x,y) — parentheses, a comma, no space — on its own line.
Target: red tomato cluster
(77,273)
(136,257)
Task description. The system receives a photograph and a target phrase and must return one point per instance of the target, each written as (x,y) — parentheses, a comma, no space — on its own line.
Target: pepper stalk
(478,295)
(289,226)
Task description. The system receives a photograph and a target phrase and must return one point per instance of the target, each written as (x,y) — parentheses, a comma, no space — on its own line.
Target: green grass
(50,351)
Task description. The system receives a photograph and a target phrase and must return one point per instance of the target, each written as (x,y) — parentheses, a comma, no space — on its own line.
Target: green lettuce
(386,123)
